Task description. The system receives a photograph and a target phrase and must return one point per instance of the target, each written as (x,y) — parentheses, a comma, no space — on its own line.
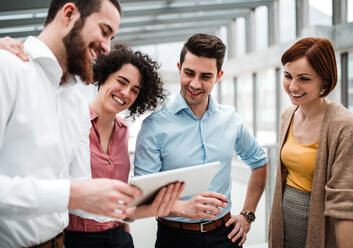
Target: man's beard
(76,54)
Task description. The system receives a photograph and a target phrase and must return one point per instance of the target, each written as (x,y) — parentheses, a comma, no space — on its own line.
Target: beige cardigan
(332,191)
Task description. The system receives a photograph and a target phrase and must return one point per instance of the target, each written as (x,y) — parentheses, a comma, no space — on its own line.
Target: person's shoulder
(159,114)
(12,66)
(78,96)
(13,71)
(228,111)
(77,102)
(339,116)
(158,120)
(121,121)
(225,108)
(10,60)
(288,112)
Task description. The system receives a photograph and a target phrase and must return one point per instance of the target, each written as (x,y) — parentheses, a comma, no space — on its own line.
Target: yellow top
(300,162)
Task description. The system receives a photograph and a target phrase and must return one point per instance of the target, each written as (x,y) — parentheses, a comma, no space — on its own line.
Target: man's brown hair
(205,45)
(85,7)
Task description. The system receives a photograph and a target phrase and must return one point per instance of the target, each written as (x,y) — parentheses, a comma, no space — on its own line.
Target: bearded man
(44,127)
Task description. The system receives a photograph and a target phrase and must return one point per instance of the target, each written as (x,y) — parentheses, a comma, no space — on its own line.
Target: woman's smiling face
(121,89)
(301,82)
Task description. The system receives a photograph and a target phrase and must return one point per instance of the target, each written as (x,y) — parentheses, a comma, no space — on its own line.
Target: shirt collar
(211,104)
(179,104)
(39,51)
(118,121)
(92,113)
(71,80)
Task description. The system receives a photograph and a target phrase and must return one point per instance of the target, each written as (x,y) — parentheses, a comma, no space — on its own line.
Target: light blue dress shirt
(173,137)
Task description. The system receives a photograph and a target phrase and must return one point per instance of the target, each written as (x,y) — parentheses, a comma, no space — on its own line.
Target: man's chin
(192,100)
(84,71)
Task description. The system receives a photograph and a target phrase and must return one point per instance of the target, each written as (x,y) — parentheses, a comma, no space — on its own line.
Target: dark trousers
(113,238)
(170,237)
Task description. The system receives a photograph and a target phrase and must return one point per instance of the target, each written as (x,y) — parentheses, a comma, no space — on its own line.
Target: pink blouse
(114,165)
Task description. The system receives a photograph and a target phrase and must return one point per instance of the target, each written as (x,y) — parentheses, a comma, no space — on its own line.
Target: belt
(57,242)
(200,227)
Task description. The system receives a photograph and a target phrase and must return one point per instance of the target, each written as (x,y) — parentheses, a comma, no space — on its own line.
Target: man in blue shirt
(193,130)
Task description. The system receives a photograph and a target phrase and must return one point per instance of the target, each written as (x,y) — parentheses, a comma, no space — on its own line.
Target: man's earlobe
(219,75)
(179,66)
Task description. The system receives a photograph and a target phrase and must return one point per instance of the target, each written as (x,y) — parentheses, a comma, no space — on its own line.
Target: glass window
(266,107)
(240,39)
(350,11)
(350,81)
(261,14)
(151,50)
(320,12)
(245,99)
(335,95)
(286,20)
(226,88)
(284,101)
(235,92)
(166,54)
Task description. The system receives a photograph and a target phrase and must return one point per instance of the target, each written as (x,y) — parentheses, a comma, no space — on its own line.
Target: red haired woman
(313,199)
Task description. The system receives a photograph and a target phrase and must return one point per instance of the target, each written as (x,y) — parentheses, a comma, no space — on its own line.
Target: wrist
(132,212)
(75,200)
(74,188)
(248,215)
(178,209)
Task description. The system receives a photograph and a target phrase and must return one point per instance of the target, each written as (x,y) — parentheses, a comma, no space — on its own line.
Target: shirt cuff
(55,197)
(258,164)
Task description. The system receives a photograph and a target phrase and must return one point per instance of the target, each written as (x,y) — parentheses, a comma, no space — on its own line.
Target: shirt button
(109,162)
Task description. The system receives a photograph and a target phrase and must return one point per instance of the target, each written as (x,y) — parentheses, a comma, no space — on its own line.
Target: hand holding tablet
(156,200)
(196,179)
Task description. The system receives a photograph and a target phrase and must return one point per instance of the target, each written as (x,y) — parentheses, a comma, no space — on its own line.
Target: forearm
(256,186)
(178,209)
(135,213)
(343,232)
(126,227)
(28,197)
(206,205)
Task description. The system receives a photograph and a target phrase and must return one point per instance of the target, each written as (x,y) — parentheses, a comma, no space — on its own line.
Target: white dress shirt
(44,142)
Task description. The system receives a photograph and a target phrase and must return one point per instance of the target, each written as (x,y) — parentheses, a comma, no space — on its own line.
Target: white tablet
(197,178)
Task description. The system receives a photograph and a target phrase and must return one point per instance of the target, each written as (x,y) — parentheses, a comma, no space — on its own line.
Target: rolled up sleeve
(249,150)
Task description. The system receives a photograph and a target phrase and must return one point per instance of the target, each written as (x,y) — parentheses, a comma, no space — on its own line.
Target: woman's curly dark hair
(151,93)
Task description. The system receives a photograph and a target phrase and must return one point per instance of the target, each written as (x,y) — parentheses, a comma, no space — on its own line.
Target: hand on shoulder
(14,46)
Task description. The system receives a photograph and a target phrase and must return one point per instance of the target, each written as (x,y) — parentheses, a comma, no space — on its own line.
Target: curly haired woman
(126,80)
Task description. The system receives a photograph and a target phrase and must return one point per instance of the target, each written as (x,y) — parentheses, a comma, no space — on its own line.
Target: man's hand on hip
(240,230)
